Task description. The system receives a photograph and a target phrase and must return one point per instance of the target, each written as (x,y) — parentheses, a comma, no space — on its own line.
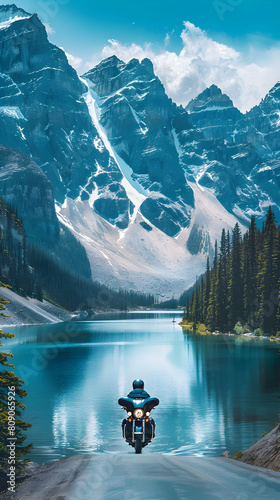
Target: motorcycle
(138,428)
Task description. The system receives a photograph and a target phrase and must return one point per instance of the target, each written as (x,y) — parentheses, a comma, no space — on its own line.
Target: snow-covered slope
(208,220)
(142,257)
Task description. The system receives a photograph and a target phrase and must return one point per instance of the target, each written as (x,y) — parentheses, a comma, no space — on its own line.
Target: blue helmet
(138,384)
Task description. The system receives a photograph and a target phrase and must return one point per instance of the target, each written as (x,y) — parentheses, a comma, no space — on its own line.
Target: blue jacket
(138,393)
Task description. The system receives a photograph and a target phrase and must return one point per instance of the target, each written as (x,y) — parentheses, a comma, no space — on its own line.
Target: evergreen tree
(216,255)
(195,305)
(222,284)
(235,280)
(206,294)
(268,273)
(250,273)
(211,315)
(228,244)
(9,384)
(188,307)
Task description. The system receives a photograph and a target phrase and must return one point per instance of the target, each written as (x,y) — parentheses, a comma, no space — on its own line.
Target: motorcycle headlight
(129,413)
(138,413)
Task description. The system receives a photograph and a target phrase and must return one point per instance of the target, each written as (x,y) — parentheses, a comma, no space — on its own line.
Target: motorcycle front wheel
(138,445)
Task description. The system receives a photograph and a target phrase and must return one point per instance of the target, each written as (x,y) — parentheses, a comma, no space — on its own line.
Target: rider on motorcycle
(138,392)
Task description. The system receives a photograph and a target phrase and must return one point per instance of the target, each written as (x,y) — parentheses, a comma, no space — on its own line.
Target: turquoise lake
(216,393)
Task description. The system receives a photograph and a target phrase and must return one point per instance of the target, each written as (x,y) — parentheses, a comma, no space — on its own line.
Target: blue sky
(84,26)
(248,27)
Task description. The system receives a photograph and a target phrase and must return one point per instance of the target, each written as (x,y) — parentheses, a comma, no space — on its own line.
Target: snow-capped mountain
(43,109)
(145,185)
(137,116)
(228,153)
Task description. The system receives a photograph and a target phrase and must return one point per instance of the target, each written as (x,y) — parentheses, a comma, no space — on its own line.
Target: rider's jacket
(138,393)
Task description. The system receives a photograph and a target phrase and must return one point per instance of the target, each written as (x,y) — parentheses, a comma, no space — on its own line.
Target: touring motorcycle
(138,428)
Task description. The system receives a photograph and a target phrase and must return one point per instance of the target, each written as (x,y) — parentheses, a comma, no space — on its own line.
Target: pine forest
(240,292)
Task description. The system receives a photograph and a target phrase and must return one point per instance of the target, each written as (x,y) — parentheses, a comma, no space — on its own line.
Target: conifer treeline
(243,285)
(73,291)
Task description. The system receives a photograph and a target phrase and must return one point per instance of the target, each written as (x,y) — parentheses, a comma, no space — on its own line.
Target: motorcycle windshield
(131,404)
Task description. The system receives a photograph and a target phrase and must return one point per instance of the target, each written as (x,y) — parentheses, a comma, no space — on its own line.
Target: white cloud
(168,38)
(49,29)
(74,61)
(127,52)
(202,62)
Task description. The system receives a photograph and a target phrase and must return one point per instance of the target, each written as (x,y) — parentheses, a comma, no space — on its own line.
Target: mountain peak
(214,90)
(133,63)
(111,61)
(274,92)
(269,105)
(11,12)
(209,98)
(148,65)
(109,67)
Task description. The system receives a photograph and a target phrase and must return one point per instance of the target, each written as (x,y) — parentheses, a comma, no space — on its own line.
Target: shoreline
(55,314)
(249,335)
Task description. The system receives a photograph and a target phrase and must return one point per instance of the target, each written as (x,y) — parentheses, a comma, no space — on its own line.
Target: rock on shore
(265,452)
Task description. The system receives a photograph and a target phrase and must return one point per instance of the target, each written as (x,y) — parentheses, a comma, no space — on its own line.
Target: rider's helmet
(138,384)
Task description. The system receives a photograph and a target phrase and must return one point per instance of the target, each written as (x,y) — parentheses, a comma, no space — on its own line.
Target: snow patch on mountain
(209,213)
(177,143)
(8,23)
(143,128)
(12,112)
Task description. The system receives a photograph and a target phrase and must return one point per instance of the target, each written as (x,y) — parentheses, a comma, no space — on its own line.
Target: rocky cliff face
(227,152)
(214,114)
(11,229)
(43,109)
(137,117)
(265,119)
(24,186)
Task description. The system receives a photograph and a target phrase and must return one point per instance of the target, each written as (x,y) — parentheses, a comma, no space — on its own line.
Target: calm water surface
(216,393)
